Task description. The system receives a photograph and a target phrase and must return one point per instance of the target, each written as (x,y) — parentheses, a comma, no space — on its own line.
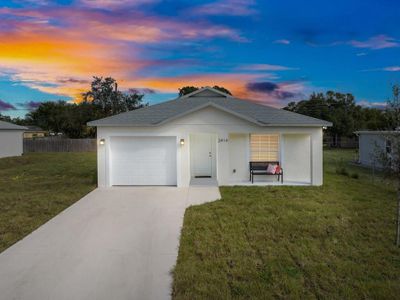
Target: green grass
(334,241)
(37,186)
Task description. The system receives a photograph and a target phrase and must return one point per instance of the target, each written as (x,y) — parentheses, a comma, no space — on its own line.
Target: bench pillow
(271,168)
(278,169)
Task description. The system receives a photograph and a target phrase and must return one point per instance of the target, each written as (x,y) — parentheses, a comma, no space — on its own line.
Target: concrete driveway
(116,243)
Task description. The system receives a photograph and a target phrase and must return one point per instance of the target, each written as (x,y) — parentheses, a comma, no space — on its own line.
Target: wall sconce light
(182,142)
(102,141)
(324,128)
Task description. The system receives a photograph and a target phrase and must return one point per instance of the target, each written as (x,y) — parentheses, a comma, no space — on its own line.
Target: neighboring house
(207,134)
(34,132)
(11,139)
(370,143)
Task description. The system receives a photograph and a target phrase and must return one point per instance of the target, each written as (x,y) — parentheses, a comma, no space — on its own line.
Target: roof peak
(206,91)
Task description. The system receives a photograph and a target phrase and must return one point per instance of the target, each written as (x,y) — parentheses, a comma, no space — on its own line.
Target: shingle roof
(34,128)
(10,126)
(159,114)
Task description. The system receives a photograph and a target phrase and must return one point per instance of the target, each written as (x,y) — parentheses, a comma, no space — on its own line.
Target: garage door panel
(143,161)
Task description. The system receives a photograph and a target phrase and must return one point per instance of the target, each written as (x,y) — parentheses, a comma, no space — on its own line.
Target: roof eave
(259,124)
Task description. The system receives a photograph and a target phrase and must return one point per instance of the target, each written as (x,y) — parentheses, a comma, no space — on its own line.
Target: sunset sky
(273,52)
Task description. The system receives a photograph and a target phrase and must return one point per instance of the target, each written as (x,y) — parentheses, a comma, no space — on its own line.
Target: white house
(371,143)
(207,134)
(11,137)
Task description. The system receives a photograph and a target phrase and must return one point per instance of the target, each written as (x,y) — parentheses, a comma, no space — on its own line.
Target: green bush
(355,176)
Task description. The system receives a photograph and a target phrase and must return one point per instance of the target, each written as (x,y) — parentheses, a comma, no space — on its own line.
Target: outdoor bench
(261,168)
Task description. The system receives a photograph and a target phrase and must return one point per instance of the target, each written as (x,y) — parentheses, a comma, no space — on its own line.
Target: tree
(50,116)
(187,90)
(222,89)
(393,108)
(5,118)
(342,110)
(190,89)
(101,101)
(388,157)
(104,94)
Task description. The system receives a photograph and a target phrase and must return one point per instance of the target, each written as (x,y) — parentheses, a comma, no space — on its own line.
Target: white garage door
(143,161)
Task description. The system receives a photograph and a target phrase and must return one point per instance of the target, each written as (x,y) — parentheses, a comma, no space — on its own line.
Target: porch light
(324,128)
(102,141)
(182,142)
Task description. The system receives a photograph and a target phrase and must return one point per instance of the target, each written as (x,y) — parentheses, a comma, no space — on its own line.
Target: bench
(260,168)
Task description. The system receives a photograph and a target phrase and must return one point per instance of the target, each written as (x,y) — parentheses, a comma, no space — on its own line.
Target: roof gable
(214,105)
(206,92)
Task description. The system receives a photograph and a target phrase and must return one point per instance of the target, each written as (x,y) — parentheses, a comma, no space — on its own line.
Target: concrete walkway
(116,243)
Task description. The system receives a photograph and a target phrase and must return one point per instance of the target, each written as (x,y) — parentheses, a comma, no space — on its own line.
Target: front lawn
(37,186)
(334,241)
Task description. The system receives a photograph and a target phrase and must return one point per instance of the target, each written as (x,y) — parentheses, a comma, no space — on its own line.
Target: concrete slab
(115,243)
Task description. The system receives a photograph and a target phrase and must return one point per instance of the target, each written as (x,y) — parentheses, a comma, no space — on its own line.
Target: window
(264,147)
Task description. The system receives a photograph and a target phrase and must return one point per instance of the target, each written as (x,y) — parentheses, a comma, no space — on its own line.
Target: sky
(272,52)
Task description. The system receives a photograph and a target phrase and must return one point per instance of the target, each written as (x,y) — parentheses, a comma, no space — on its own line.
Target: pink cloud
(6,106)
(283,42)
(227,7)
(110,4)
(265,67)
(392,69)
(387,69)
(132,26)
(376,42)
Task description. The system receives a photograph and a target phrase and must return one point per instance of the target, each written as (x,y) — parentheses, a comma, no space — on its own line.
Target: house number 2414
(222,140)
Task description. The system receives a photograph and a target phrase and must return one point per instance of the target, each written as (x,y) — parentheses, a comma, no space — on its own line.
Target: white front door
(202,154)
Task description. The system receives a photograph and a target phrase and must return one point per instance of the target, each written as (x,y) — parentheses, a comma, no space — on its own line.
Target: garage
(143,161)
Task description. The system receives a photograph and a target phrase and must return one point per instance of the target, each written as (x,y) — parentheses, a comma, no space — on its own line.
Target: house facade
(11,137)
(207,134)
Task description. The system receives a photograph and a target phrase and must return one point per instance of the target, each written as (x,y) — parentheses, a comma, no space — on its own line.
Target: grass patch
(334,241)
(37,186)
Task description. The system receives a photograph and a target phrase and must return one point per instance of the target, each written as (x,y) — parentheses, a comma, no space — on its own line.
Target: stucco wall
(224,126)
(11,143)
(239,156)
(296,157)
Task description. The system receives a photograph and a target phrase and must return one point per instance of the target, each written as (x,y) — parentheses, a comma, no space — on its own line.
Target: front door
(202,155)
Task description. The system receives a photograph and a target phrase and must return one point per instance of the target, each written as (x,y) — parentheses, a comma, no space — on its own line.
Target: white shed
(372,142)
(11,139)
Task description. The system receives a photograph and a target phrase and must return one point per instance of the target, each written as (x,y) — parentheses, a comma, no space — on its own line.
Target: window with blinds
(264,147)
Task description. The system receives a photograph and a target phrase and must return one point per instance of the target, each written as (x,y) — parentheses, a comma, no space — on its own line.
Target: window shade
(264,147)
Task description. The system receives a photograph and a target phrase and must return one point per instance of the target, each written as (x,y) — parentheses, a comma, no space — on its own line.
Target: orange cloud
(42,46)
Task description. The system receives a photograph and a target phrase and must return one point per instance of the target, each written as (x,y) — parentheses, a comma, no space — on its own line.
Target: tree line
(347,117)
(104,99)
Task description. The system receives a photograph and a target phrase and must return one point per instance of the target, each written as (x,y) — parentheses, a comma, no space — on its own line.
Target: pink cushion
(271,168)
(277,169)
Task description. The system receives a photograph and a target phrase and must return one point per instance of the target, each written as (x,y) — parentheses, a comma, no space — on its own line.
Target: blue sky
(272,52)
